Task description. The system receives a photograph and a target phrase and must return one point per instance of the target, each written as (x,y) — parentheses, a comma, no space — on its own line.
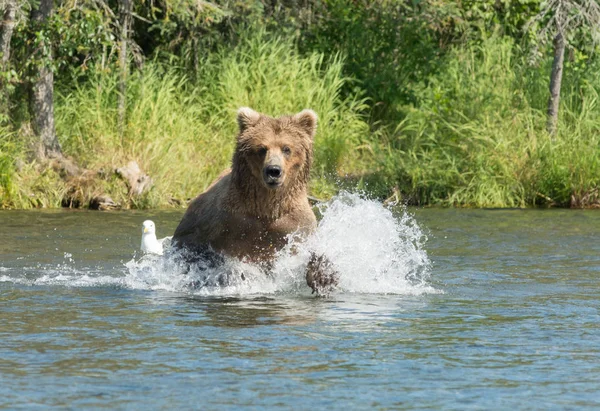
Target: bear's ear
(246,117)
(307,119)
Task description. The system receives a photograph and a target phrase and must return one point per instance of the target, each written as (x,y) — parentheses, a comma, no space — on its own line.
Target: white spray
(374,252)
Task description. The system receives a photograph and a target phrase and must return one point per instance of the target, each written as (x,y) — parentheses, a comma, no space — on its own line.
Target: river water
(436,309)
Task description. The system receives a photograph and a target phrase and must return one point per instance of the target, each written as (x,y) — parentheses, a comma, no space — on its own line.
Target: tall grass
(475,135)
(25,184)
(477,139)
(8,152)
(272,78)
(182,133)
(568,167)
(165,132)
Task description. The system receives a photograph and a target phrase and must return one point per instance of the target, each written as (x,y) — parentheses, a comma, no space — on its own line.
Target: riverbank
(475,136)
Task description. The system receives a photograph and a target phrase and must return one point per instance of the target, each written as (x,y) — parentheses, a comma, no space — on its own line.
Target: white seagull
(150,244)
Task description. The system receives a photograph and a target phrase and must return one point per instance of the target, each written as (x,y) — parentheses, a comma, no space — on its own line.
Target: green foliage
(77,37)
(476,140)
(387,45)
(25,185)
(166,132)
(443,100)
(392,47)
(569,165)
(82,37)
(182,134)
(7,168)
(271,77)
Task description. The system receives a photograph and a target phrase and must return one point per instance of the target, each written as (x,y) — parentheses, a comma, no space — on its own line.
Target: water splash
(171,272)
(374,252)
(67,274)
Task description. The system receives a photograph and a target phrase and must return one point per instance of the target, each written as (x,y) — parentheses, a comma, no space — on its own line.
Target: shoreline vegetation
(430,105)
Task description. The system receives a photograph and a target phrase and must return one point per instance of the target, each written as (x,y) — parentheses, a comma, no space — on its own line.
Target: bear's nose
(273,171)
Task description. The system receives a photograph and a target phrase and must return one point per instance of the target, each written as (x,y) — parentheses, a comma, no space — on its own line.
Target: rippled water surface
(438,309)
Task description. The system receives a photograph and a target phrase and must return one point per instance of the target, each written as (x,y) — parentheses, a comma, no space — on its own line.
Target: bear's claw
(321,276)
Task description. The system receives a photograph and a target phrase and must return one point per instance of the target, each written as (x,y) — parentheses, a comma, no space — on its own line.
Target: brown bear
(250,210)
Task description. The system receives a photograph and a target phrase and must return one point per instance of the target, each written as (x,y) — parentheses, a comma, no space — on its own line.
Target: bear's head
(277,152)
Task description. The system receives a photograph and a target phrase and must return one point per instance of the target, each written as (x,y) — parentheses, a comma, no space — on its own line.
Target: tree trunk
(125,11)
(555,82)
(41,103)
(7,27)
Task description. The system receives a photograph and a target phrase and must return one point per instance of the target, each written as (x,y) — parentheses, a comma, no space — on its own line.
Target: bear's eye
(262,151)
(286,150)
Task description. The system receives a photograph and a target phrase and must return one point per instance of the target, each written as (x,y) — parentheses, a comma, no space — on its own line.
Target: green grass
(26,184)
(271,77)
(568,167)
(477,138)
(8,154)
(165,133)
(474,137)
(182,134)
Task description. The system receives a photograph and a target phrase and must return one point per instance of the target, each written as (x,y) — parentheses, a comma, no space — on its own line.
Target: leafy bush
(477,139)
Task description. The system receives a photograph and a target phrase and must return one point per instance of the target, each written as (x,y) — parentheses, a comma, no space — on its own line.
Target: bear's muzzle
(273,176)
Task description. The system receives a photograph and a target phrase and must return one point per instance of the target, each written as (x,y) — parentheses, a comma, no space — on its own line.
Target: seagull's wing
(166,242)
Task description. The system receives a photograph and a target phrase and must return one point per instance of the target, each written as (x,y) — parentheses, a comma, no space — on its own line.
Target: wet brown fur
(239,215)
